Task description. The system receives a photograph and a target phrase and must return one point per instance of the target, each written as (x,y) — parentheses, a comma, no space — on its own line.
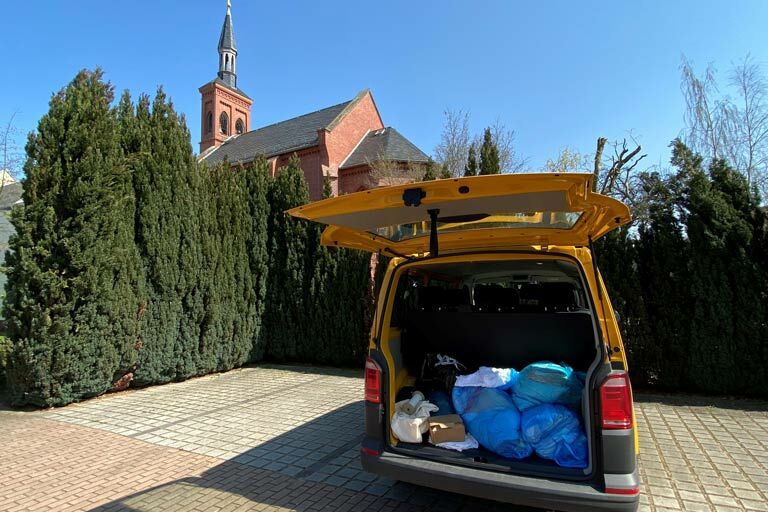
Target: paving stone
(279,437)
(692,506)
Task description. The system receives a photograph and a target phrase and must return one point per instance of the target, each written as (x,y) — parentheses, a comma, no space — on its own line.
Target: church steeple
(226,110)
(228,50)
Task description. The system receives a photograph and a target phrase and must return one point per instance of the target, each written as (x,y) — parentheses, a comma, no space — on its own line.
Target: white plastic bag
(469,443)
(409,427)
(486,377)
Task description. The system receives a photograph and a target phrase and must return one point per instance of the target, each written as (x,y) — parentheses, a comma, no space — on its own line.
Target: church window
(209,123)
(239,127)
(224,123)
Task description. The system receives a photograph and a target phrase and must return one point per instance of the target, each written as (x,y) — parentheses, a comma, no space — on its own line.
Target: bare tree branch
(386,172)
(601,141)
(735,130)
(451,152)
(10,156)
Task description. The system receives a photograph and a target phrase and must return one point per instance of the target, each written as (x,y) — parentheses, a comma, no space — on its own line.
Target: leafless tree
(736,130)
(568,160)
(747,123)
(504,138)
(386,172)
(616,172)
(10,155)
(617,175)
(703,112)
(453,148)
(452,151)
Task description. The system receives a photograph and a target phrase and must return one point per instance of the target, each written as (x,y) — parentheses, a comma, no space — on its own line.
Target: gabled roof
(10,195)
(277,139)
(386,144)
(227,37)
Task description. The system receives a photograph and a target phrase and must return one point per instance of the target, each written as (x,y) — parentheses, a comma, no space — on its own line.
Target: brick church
(340,141)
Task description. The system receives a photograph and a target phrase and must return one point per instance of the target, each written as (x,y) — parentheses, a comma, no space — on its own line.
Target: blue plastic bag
(555,433)
(442,401)
(547,383)
(490,415)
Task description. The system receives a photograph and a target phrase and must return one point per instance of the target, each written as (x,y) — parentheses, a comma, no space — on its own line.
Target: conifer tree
(489,155)
(338,300)
(726,320)
(74,288)
(617,257)
(662,254)
(445,173)
(429,171)
(284,317)
(471,168)
(157,147)
(258,182)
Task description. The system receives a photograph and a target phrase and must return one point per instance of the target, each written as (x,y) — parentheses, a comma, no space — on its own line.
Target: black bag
(438,372)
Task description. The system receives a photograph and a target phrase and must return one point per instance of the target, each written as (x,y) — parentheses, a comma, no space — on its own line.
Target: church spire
(228,50)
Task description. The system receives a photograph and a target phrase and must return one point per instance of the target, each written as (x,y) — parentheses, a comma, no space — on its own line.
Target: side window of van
(405,298)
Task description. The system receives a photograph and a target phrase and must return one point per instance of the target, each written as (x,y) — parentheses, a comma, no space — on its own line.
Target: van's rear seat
(550,297)
(529,297)
(510,340)
(495,298)
(433,298)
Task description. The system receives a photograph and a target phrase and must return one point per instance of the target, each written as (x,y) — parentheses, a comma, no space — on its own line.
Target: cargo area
(504,314)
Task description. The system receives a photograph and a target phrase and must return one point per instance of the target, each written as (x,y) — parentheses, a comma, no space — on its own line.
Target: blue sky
(560,73)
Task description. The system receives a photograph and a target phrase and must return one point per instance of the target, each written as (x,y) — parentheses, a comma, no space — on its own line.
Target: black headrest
(434,298)
(494,297)
(548,295)
(558,294)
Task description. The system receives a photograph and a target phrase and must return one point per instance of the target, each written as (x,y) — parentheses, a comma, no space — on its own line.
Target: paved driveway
(286,438)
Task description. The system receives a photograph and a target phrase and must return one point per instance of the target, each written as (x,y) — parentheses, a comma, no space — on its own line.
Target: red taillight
(616,402)
(611,490)
(370,451)
(372,381)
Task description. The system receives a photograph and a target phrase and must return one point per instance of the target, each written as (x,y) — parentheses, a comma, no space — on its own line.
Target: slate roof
(219,81)
(277,139)
(386,144)
(227,37)
(10,195)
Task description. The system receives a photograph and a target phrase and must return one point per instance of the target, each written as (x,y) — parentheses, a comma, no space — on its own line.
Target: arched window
(226,62)
(224,123)
(239,127)
(209,123)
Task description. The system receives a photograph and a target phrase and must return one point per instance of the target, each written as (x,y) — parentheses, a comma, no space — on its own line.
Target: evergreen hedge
(691,283)
(132,262)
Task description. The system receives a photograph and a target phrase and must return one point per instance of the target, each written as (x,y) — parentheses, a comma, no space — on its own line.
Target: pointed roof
(227,37)
(385,144)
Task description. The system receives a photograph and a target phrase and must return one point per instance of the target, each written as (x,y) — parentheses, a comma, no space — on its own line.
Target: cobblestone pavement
(286,438)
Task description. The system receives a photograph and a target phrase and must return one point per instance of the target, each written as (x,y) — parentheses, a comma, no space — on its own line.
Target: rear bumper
(520,490)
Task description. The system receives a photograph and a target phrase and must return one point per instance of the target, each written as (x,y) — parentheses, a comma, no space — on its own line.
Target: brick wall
(341,139)
(354,179)
(310,164)
(217,99)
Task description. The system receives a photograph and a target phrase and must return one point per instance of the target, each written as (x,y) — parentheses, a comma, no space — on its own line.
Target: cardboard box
(444,429)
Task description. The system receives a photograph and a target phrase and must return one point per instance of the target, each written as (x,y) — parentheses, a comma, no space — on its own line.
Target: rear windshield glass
(537,220)
(490,287)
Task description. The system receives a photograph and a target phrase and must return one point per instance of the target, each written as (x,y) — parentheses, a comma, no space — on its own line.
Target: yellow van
(493,271)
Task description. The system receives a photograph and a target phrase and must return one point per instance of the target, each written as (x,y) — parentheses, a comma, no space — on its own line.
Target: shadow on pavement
(721,402)
(314,466)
